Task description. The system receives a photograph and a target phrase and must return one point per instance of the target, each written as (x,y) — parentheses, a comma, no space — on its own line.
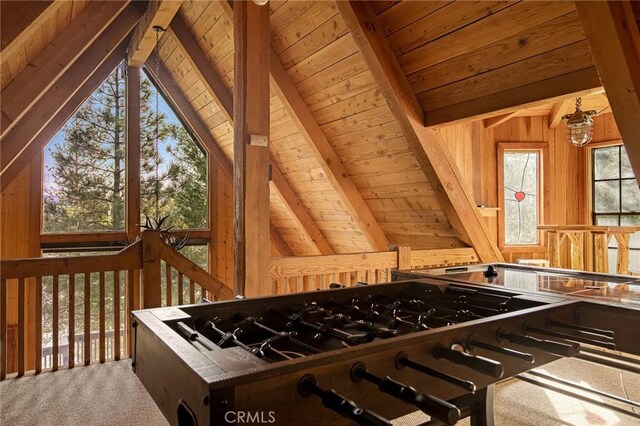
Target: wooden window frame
(543,149)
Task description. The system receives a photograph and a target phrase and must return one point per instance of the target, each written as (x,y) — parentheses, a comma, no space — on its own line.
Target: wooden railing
(295,274)
(57,293)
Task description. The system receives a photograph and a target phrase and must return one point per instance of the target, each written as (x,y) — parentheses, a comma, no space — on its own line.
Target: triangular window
(84,167)
(173,165)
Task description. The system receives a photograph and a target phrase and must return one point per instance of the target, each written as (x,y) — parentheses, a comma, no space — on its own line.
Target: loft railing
(47,303)
(68,311)
(295,274)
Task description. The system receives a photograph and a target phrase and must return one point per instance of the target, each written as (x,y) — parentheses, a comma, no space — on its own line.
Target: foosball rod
(402,361)
(428,404)
(486,366)
(556,348)
(550,322)
(473,342)
(334,401)
(608,345)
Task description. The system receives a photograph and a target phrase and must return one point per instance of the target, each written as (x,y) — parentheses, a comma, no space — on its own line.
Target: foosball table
(369,353)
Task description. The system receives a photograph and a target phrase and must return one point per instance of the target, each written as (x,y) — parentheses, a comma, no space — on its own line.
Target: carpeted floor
(111,394)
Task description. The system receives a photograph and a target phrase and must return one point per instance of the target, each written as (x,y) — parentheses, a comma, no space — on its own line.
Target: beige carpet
(111,394)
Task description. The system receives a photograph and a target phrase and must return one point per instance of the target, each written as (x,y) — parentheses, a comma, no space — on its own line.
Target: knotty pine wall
(474,150)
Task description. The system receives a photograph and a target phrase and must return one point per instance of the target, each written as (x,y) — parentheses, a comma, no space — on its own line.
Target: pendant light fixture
(580,125)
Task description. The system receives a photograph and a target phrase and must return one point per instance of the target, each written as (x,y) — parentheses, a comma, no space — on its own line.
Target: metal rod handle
(480,364)
(472,342)
(553,323)
(402,360)
(529,329)
(561,349)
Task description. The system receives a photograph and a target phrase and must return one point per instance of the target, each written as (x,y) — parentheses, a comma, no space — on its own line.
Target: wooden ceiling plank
(557,111)
(21,20)
(614,39)
(224,100)
(297,211)
(201,65)
(499,119)
(23,134)
(27,88)
(279,243)
(426,143)
(574,84)
(159,13)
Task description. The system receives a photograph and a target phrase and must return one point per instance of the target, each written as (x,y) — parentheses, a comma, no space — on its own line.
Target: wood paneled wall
(567,184)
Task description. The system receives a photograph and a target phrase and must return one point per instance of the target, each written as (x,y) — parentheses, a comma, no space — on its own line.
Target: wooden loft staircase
(50,318)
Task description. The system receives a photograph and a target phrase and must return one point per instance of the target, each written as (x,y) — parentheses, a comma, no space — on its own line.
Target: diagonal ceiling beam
(224,99)
(427,143)
(557,111)
(20,20)
(53,100)
(201,132)
(614,40)
(159,14)
(48,66)
(499,119)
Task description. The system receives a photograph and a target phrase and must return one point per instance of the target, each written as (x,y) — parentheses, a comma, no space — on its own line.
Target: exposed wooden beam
(499,119)
(200,131)
(557,111)
(159,13)
(279,243)
(426,143)
(224,100)
(579,83)
(132,165)
(296,209)
(329,161)
(614,39)
(20,20)
(250,156)
(55,98)
(201,65)
(44,71)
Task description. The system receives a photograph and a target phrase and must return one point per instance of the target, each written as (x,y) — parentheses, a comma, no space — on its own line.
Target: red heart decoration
(520,196)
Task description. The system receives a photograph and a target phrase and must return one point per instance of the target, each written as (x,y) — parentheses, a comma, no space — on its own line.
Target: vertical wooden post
(404,257)
(622,266)
(132,206)
(576,241)
(251,154)
(151,288)
(553,247)
(601,240)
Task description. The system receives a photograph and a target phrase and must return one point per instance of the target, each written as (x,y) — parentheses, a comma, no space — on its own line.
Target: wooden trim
(428,146)
(543,149)
(159,13)
(556,113)
(151,290)
(251,162)
(128,258)
(41,115)
(614,38)
(457,256)
(499,119)
(32,84)
(132,172)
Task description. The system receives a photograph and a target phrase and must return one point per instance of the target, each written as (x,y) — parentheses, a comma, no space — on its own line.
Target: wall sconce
(580,125)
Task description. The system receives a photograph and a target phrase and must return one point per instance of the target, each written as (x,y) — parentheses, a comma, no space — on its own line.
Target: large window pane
(606,163)
(606,196)
(174,166)
(521,197)
(84,164)
(625,165)
(630,196)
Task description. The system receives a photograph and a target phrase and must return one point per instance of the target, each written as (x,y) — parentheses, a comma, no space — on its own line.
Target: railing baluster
(54,326)
(21,326)
(192,292)
(87,318)
(128,302)
(116,315)
(38,319)
(180,289)
(71,346)
(102,317)
(3,329)
(168,283)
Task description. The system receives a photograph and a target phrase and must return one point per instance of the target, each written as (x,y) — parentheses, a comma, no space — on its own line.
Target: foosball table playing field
(369,353)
